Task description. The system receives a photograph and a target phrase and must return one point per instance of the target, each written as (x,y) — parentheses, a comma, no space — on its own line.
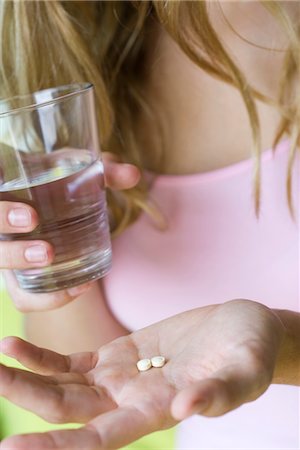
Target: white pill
(158,361)
(143,365)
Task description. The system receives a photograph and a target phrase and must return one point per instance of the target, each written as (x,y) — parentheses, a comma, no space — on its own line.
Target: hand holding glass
(50,159)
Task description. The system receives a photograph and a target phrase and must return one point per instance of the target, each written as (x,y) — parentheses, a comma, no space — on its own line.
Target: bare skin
(82,307)
(117,176)
(234,366)
(204,122)
(206,372)
(198,113)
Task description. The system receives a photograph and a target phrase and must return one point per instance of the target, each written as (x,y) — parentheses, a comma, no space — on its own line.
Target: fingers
(57,403)
(82,439)
(25,254)
(111,431)
(17,217)
(28,302)
(119,176)
(45,361)
(224,391)
(20,218)
(120,427)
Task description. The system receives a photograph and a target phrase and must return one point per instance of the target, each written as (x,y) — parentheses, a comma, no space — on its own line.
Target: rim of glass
(76,89)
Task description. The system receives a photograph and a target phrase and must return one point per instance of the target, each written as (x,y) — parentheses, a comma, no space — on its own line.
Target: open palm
(217,358)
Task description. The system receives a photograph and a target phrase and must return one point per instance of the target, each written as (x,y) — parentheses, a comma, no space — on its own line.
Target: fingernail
(77,290)
(36,253)
(19,217)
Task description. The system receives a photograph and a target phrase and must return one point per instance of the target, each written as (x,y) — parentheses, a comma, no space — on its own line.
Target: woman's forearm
(84,324)
(287,370)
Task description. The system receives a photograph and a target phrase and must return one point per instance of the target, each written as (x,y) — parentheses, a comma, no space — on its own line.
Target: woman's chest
(214,249)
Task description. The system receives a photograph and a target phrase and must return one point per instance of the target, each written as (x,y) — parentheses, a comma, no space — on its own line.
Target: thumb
(224,391)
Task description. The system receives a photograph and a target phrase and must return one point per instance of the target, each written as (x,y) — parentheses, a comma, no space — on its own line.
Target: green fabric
(14,420)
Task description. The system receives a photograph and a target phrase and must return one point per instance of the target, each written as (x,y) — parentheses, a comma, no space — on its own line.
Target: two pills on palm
(147,363)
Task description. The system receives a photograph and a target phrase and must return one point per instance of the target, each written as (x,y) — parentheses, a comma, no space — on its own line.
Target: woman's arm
(84,324)
(287,370)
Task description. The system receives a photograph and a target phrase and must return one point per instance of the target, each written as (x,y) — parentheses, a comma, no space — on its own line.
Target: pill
(158,361)
(143,365)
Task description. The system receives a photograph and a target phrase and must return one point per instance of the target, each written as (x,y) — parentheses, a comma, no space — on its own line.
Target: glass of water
(50,159)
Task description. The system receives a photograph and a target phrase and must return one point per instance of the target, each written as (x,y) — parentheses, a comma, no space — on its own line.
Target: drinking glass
(50,159)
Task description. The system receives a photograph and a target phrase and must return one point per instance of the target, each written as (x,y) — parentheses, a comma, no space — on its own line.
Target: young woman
(205,273)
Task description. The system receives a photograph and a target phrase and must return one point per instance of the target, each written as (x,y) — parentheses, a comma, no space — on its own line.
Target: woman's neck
(204,121)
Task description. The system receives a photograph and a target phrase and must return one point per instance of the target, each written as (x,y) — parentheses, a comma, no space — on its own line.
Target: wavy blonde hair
(49,43)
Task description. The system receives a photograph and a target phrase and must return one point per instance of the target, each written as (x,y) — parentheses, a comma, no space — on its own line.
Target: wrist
(287,368)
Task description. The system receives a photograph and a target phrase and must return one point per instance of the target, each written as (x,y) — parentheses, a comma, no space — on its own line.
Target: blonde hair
(49,43)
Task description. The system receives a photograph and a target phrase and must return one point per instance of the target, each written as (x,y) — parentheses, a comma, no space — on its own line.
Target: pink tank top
(215,250)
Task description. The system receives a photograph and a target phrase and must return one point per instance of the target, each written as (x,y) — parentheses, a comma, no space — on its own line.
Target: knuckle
(98,438)
(17,295)
(57,300)
(3,223)
(6,256)
(224,391)
(256,358)
(261,368)
(7,378)
(57,409)
(11,255)
(55,418)
(4,207)
(20,304)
